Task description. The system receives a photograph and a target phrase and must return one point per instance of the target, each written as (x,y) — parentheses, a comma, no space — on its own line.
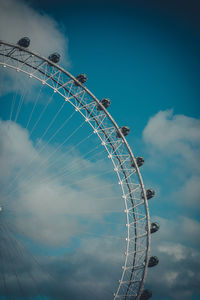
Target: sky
(144,56)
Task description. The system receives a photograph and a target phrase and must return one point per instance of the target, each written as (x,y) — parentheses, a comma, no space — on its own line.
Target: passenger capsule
(124,130)
(146,294)
(82,78)
(153,261)
(54,57)
(139,161)
(149,193)
(24,42)
(154,227)
(105,102)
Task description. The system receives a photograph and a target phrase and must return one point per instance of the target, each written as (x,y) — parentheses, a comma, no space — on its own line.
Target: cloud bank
(173,151)
(41,194)
(44,215)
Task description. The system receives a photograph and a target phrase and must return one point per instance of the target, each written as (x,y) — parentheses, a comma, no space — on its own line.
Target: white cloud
(174,135)
(56,208)
(97,268)
(176,251)
(165,129)
(18,19)
(182,230)
(16,150)
(176,245)
(170,277)
(190,192)
(46,213)
(172,162)
(173,143)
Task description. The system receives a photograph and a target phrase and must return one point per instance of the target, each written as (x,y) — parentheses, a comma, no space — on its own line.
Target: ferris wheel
(71,89)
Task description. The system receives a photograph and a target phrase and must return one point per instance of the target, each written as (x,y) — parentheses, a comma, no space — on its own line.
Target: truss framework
(136,207)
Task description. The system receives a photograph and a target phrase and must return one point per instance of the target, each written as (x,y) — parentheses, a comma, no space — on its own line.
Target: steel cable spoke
(53,120)
(52,153)
(44,146)
(14,100)
(20,254)
(41,114)
(26,250)
(71,149)
(34,106)
(7,250)
(75,171)
(60,174)
(21,100)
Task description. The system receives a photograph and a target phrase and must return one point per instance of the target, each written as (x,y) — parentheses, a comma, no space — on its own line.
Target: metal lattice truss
(133,192)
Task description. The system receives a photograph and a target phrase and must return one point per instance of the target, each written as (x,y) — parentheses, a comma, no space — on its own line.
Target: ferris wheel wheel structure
(126,166)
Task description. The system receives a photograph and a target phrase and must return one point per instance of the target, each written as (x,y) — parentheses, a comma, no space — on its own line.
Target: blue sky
(144,56)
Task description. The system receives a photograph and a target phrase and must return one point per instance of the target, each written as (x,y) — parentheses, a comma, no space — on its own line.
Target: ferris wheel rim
(127,147)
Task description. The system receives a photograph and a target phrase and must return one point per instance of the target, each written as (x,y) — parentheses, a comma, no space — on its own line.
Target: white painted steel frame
(136,207)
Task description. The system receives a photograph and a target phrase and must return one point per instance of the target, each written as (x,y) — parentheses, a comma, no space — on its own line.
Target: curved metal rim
(123,138)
